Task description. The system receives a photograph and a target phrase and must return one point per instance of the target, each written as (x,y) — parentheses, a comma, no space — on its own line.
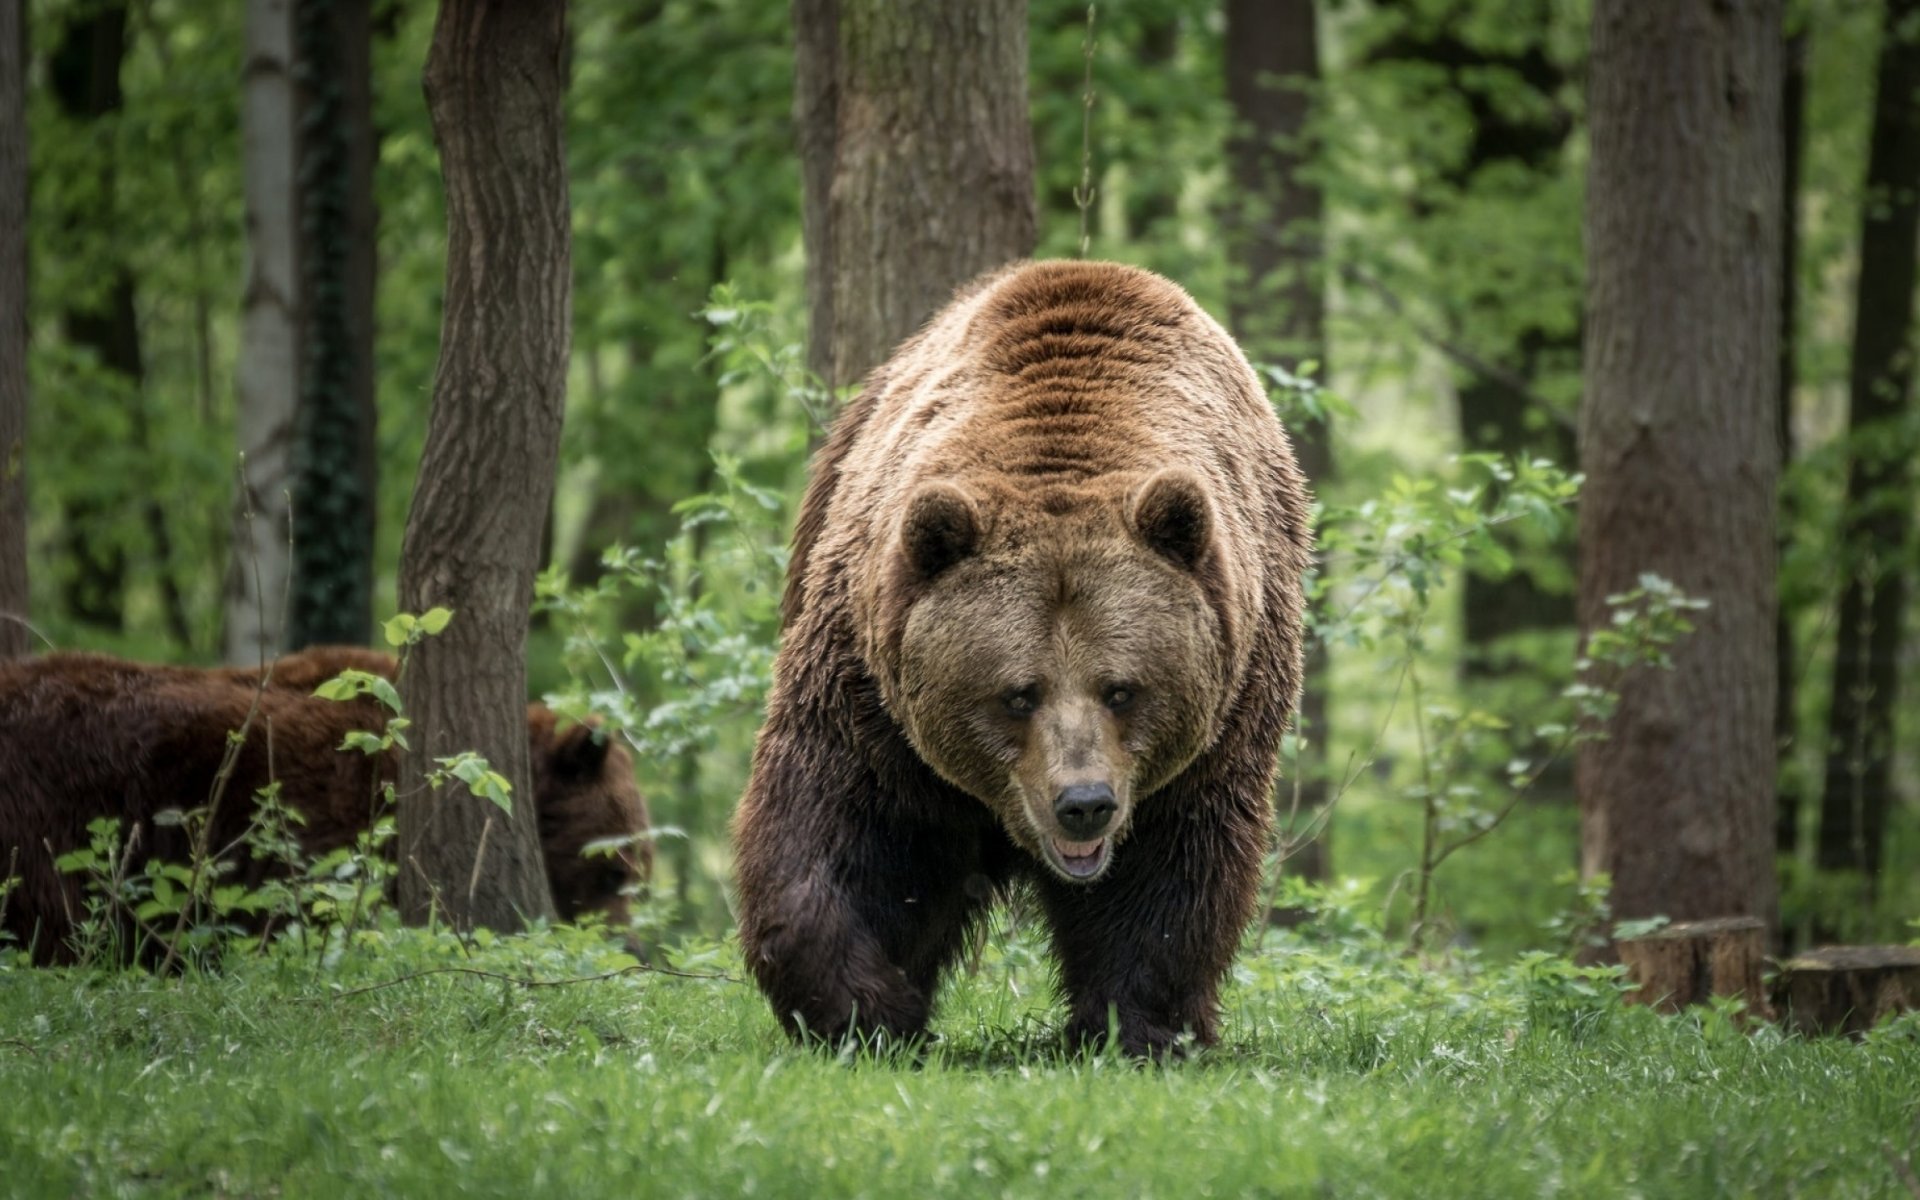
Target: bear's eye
(1021,702)
(1120,697)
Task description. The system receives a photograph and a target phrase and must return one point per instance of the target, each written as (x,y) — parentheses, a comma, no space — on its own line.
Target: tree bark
(268,375)
(1879,505)
(916,164)
(14,634)
(333,455)
(1677,439)
(472,544)
(1277,302)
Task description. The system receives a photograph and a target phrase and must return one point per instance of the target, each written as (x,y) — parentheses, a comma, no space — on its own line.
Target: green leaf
(364,742)
(481,779)
(434,620)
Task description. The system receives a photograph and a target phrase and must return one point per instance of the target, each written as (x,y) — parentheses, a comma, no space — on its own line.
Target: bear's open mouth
(1078,860)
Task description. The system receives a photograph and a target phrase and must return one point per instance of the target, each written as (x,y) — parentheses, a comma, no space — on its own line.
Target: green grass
(1344,1072)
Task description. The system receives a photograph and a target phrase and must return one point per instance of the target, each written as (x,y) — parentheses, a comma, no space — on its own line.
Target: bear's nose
(1085,810)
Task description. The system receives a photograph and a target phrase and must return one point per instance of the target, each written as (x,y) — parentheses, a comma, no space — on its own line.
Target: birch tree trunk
(494,83)
(916,164)
(1678,442)
(14,635)
(269,367)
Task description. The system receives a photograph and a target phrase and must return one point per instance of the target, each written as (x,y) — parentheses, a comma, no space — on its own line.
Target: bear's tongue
(1081,858)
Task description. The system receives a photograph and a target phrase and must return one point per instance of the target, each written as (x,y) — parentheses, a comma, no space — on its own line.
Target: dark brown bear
(1042,622)
(84,736)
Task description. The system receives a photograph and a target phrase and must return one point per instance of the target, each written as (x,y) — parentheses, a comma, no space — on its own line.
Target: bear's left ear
(940,529)
(578,754)
(1172,516)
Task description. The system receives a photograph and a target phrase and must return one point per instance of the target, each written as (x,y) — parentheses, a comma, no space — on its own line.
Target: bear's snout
(1084,810)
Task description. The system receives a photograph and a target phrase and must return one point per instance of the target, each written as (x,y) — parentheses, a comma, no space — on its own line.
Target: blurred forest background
(1442,148)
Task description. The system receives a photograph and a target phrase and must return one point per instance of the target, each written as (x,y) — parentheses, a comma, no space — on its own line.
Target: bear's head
(1062,659)
(592,817)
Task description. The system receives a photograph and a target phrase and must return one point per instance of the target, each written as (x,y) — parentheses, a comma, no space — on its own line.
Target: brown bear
(84,736)
(1043,621)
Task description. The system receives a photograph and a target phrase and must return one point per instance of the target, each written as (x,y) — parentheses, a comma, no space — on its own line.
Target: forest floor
(1345,1069)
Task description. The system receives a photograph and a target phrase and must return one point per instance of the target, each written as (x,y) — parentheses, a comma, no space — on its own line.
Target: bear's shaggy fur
(84,736)
(1042,622)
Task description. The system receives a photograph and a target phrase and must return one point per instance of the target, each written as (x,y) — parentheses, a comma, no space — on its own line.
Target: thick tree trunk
(916,164)
(14,635)
(267,380)
(1677,439)
(1278,303)
(494,82)
(1879,506)
(333,457)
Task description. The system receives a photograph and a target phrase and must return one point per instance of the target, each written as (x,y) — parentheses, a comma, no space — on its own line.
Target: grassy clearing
(1346,1072)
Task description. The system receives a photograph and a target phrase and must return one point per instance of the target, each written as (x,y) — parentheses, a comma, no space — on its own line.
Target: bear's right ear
(940,529)
(580,753)
(1172,516)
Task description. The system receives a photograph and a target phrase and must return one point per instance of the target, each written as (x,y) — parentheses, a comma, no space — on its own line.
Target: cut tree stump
(1688,962)
(1847,989)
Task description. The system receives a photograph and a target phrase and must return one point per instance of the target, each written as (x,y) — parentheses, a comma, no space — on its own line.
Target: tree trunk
(1677,439)
(333,455)
(1879,505)
(1278,305)
(494,85)
(269,369)
(916,164)
(14,634)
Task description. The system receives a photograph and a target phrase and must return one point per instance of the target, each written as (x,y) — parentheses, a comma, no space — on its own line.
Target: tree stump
(1689,961)
(1847,989)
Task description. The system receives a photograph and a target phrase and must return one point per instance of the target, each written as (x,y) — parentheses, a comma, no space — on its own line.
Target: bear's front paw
(1136,1035)
(853,997)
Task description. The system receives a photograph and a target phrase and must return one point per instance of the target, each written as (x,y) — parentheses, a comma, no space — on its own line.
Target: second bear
(84,736)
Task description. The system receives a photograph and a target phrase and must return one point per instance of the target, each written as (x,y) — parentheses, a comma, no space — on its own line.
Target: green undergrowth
(1345,1069)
